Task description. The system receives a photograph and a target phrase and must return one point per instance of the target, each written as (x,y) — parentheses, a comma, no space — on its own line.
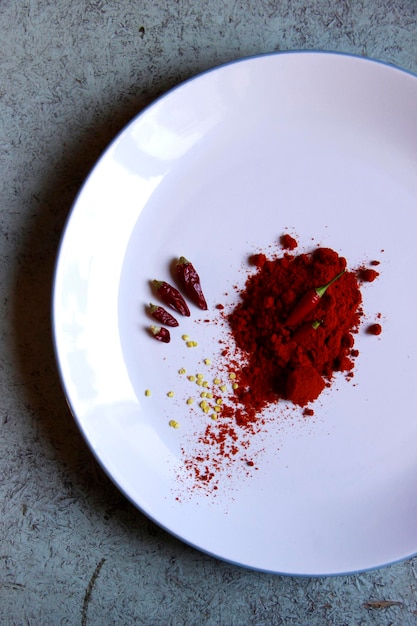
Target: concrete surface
(72,74)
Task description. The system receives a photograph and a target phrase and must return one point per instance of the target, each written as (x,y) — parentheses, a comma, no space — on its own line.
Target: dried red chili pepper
(161,315)
(161,334)
(304,331)
(191,282)
(171,297)
(308,302)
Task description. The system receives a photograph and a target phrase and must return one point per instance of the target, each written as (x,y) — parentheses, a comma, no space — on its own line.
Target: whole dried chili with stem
(160,334)
(171,296)
(308,302)
(162,315)
(190,280)
(305,330)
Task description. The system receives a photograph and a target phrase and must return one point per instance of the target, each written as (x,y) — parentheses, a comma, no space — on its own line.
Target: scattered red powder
(374,329)
(375,262)
(308,412)
(288,242)
(367,275)
(277,365)
(257,259)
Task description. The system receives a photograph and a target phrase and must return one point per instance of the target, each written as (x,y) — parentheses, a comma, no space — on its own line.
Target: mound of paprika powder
(294,363)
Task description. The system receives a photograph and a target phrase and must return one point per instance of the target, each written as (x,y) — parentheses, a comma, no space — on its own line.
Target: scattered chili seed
(191,378)
(170,394)
(207,361)
(181,371)
(232,376)
(190,400)
(147,392)
(185,337)
(173,424)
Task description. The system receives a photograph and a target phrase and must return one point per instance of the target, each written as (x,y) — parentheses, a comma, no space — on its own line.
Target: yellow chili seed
(223,388)
(209,394)
(235,385)
(205,383)
(213,416)
(147,392)
(191,344)
(200,376)
(219,401)
(203,394)
(232,376)
(170,394)
(185,337)
(217,381)
(181,371)
(217,409)
(173,424)
(191,378)
(190,400)
(207,361)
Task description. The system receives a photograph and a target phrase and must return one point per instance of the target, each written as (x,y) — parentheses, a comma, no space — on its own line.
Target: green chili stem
(320,291)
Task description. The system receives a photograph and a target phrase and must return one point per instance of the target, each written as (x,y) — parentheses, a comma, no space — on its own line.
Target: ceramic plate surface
(321,146)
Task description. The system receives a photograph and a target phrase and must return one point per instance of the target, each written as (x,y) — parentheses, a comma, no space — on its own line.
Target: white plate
(322,145)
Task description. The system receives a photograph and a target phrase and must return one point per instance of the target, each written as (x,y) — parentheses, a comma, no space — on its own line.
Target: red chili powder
(288,242)
(278,364)
(374,329)
(367,275)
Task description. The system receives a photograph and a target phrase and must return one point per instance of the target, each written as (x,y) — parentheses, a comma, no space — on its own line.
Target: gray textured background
(72,74)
